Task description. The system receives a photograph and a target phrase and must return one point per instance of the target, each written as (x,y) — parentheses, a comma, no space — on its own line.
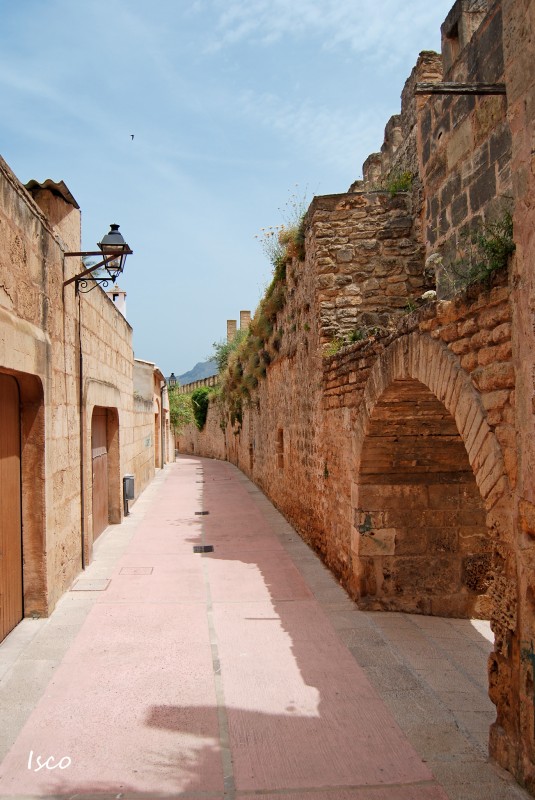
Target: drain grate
(203,548)
(201,513)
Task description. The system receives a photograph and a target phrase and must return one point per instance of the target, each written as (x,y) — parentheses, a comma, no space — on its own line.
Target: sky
(239,109)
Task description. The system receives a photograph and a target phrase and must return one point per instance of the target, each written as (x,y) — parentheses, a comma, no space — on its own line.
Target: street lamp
(114,249)
(172,380)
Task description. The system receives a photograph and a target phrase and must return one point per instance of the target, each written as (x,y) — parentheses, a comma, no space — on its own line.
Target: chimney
(118,297)
(245,320)
(231,329)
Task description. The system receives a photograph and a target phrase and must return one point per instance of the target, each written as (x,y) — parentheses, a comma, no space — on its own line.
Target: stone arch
(430,484)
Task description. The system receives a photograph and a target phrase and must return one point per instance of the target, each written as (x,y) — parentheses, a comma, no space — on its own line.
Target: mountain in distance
(201,370)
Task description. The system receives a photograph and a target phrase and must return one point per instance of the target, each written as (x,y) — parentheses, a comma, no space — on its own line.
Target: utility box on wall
(128,491)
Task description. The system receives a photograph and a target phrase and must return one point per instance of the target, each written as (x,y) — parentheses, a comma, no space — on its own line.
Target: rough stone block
(494,376)
(378,543)
(460,144)
(501,333)
(493,400)
(461,346)
(469,362)
(494,316)
(483,189)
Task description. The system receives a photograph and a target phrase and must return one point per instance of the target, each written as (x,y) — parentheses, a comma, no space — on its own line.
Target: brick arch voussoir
(429,361)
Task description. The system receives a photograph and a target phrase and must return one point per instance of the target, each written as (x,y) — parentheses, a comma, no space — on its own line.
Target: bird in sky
(132,135)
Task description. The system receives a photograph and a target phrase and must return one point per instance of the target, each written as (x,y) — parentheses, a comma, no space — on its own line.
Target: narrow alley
(242,671)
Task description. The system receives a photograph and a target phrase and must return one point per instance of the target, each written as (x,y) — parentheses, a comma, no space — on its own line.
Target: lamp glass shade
(113,244)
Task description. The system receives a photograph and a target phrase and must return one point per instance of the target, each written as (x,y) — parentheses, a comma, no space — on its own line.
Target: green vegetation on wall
(200,399)
(244,361)
(180,409)
(481,253)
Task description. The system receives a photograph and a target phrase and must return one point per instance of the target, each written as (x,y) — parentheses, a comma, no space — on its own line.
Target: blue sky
(236,106)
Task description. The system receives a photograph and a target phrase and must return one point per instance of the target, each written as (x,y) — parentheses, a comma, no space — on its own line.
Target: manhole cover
(136,571)
(88,585)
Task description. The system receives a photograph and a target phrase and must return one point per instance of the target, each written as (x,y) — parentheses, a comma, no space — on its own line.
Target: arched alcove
(429,478)
(421,522)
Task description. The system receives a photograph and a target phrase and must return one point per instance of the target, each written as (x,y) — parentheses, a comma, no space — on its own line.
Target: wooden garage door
(11,608)
(99,452)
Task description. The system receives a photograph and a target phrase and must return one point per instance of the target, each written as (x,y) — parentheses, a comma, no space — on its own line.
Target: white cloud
(378,29)
(338,137)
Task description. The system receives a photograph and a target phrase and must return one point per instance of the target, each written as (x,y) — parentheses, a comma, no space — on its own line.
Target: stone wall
(416,488)
(187,388)
(141,453)
(465,144)
(71,353)
(399,151)
(30,271)
(406,458)
(106,367)
(367,260)
(519,33)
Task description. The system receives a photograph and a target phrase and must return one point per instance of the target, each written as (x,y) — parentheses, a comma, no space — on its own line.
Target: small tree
(180,409)
(222,350)
(200,399)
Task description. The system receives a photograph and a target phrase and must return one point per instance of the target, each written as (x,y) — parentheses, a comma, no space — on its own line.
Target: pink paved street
(214,675)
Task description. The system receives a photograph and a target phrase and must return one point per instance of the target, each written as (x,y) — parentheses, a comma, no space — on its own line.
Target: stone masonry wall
(42,325)
(31,349)
(406,458)
(367,259)
(140,453)
(519,36)
(107,381)
(465,146)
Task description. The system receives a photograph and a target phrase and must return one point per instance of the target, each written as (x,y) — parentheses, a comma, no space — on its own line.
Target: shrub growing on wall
(181,412)
(200,399)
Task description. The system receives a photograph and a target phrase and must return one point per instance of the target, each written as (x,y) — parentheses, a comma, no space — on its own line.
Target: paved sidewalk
(242,673)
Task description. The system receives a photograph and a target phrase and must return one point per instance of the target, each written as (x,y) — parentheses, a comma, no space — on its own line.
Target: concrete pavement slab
(235,674)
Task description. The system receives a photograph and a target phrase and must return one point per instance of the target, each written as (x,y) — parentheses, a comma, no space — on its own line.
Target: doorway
(11,584)
(99,458)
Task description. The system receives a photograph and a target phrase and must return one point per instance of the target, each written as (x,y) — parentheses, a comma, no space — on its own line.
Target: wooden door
(99,455)
(11,591)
